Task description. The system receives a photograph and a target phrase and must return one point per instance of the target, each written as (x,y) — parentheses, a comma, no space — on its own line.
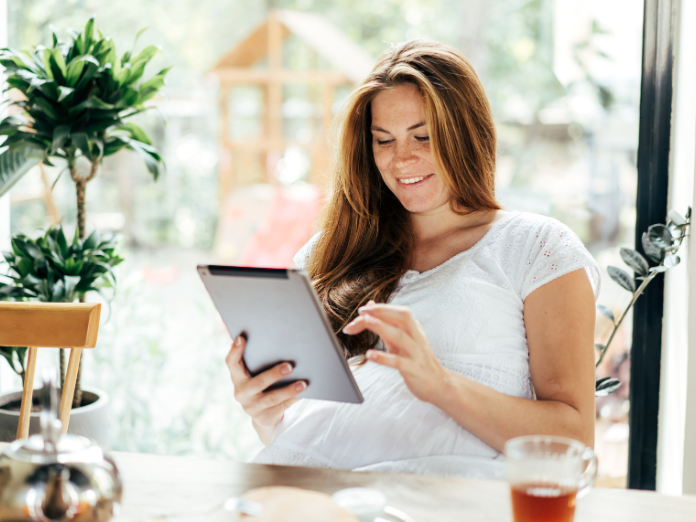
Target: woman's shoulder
(544,249)
(303,254)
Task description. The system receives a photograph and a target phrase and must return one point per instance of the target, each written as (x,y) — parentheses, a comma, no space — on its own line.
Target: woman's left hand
(408,349)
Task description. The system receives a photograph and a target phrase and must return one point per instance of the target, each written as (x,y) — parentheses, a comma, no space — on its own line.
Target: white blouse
(472,309)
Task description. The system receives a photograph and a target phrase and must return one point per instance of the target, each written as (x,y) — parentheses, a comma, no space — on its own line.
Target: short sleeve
(302,255)
(555,250)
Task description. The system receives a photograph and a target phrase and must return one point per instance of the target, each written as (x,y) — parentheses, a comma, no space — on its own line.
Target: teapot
(57,478)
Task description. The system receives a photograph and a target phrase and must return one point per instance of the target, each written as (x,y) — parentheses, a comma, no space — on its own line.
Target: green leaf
(146,54)
(80,139)
(606,312)
(88,74)
(114,144)
(606,385)
(676,218)
(64,92)
(671,261)
(12,124)
(634,260)
(135,41)
(622,278)
(24,267)
(660,236)
(129,98)
(46,61)
(76,67)
(54,35)
(90,103)
(14,163)
(58,294)
(651,250)
(71,283)
(91,241)
(89,33)
(60,134)
(57,62)
(62,241)
(47,108)
(137,70)
(136,132)
(152,162)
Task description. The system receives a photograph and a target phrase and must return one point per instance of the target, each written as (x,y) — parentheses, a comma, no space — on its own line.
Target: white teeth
(411,180)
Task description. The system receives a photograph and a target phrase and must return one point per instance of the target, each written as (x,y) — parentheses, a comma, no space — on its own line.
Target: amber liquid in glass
(542,503)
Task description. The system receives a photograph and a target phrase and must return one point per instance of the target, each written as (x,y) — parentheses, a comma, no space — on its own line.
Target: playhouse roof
(315,30)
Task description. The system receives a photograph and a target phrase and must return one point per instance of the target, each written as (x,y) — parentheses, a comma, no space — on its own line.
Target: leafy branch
(660,244)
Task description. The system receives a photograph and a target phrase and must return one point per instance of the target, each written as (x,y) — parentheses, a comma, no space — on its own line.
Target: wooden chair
(49,325)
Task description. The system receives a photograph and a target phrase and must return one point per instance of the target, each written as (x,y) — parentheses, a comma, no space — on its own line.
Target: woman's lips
(414,181)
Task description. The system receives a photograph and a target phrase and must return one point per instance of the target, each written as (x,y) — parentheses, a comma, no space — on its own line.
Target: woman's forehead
(400,105)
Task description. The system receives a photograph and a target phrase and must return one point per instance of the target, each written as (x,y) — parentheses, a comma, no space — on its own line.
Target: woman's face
(401,147)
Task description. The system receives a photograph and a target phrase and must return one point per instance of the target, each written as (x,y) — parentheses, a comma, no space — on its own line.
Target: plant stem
(636,294)
(61,366)
(80,187)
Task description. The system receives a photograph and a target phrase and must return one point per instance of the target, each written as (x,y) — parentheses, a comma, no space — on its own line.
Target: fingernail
(238,341)
(285,369)
(300,386)
(365,309)
(371,355)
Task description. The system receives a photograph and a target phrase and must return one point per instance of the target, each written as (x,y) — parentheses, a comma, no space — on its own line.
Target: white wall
(676,453)
(5,200)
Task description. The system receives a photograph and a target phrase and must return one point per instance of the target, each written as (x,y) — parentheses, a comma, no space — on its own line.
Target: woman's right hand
(266,409)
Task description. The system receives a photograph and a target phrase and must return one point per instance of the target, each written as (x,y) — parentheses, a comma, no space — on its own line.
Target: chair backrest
(49,325)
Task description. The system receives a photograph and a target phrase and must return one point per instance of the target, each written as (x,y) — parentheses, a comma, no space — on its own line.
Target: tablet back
(283,320)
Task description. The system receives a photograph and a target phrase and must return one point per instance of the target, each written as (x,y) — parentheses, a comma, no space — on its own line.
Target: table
(156,484)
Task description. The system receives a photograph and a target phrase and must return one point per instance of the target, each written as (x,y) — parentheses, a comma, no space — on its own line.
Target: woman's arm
(559,319)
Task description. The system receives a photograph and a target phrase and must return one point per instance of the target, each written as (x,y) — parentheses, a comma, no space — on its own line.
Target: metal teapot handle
(50,423)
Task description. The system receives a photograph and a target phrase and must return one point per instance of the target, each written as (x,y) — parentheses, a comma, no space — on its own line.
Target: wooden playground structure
(258,61)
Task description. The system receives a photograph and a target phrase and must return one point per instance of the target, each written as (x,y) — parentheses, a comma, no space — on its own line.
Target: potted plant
(52,270)
(76,101)
(660,244)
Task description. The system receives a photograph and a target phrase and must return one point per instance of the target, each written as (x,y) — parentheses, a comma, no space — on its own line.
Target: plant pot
(91,420)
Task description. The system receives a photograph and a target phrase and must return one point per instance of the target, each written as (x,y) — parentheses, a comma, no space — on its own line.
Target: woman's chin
(422,206)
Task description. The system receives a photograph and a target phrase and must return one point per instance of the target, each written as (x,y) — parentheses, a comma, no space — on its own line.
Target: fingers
(234,361)
(263,380)
(392,336)
(385,359)
(269,402)
(399,316)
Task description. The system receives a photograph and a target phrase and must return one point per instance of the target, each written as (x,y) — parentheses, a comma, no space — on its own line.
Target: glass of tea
(546,475)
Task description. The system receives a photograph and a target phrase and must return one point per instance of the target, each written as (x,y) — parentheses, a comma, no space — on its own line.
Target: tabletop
(158,484)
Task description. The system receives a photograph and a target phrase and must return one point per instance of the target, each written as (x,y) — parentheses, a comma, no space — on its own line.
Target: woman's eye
(423,138)
(380,142)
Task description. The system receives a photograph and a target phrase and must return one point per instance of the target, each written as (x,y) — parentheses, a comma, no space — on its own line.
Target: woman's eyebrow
(380,129)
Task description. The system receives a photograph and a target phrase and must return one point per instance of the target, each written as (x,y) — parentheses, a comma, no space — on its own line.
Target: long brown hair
(367,236)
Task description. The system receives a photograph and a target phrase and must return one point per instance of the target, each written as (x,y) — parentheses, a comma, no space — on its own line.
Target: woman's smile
(414,181)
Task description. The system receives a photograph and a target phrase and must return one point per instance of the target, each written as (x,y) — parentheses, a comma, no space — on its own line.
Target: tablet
(283,320)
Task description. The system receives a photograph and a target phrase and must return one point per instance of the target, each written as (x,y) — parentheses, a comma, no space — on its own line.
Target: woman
(476,324)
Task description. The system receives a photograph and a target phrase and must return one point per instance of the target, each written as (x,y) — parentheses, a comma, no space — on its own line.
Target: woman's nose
(404,156)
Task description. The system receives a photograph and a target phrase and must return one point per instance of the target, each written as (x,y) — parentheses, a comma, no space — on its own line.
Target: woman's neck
(436,224)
